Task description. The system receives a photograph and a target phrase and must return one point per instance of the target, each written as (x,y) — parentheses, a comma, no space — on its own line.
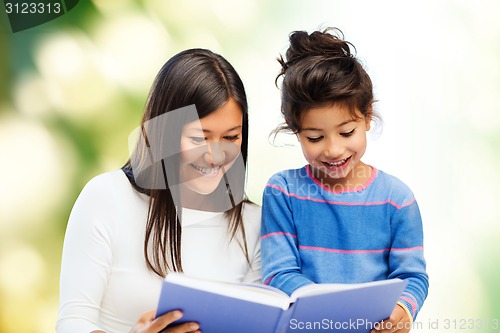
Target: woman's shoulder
(251,220)
(115,177)
(108,186)
(107,196)
(251,210)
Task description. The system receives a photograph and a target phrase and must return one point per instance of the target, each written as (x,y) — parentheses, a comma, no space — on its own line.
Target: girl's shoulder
(289,176)
(392,181)
(392,187)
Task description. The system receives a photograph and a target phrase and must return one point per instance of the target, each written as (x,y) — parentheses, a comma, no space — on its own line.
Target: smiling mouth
(337,164)
(207,171)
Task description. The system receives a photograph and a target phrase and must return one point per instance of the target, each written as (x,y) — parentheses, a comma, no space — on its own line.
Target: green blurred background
(72,90)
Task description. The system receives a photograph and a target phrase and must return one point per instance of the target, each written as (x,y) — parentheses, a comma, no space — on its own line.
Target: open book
(229,307)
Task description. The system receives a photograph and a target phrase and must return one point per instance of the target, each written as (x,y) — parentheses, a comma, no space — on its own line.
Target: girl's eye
(197,139)
(231,137)
(316,139)
(348,134)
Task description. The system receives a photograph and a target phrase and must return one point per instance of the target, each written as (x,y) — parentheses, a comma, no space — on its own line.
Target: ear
(368,120)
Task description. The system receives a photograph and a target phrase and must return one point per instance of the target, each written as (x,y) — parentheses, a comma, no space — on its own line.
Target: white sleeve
(254,275)
(252,216)
(86,261)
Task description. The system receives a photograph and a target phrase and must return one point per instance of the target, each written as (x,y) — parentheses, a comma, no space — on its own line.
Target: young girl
(177,205)
(337,220)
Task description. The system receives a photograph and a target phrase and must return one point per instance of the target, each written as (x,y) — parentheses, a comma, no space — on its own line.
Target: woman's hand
(148,324)
(398,322)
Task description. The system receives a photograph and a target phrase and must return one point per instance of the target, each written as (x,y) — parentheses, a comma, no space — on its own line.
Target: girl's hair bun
(328,43)
(321,69)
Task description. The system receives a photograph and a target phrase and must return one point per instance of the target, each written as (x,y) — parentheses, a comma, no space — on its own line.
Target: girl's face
(333,144)
(209,147)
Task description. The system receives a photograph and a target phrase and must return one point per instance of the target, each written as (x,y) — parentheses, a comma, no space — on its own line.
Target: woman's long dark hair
(207,80)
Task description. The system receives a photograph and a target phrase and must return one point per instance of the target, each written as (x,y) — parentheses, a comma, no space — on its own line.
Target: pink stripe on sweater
(324,249)
(373,203)
(411,302)
(279,233)
(268,280)
(407,248)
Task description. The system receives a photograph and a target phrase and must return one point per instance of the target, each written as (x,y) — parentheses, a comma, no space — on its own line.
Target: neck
(212,202)
(355,179)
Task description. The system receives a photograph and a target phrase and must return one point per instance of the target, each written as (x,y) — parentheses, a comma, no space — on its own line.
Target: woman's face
(209,147)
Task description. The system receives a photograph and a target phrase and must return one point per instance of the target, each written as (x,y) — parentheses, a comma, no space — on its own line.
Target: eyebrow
(319,129)
(209,131)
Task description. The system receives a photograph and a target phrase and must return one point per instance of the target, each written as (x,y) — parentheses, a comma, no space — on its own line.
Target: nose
(215,154)
(332,149)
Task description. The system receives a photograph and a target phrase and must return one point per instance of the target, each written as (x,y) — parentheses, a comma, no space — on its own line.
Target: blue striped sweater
(314,235)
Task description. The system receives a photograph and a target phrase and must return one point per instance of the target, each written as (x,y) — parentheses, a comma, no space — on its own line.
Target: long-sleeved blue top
(311,234)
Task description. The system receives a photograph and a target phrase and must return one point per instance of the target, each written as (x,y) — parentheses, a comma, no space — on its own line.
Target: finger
(396,318)
(395,323)
(385,326)
(147,317)
(163,321)
(190,327)
(390,327)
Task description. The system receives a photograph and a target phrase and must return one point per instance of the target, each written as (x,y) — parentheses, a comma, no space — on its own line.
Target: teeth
(207,171)
(336,164)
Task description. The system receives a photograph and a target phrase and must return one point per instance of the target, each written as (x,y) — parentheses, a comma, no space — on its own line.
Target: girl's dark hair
(320,69)
(207,80)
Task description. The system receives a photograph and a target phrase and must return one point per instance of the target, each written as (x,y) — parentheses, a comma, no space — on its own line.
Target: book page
(325,288)
(263,288)
(250,292)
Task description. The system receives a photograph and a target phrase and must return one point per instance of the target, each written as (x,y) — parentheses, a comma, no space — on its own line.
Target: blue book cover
(354,309)
(228,307)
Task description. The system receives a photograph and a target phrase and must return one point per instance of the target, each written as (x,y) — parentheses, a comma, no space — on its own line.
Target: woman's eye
(197,139)
(348,134)
(231,137)
(316,139)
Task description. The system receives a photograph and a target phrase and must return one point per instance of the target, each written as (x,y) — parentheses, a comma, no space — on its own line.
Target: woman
(176,205)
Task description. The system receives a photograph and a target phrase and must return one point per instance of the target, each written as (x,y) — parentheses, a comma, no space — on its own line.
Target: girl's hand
(148,324)
(398,322)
